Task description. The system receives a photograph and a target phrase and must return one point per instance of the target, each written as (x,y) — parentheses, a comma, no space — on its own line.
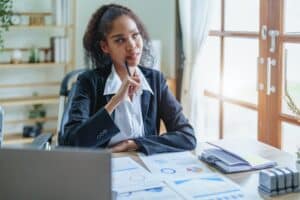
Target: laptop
(69,174)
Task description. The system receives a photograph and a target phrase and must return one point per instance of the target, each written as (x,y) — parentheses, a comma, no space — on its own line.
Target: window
(252,69)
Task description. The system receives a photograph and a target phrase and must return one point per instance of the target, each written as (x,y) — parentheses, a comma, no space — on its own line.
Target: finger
(136,78)
(119,147)
(132,82)
(130,90)
(116,150)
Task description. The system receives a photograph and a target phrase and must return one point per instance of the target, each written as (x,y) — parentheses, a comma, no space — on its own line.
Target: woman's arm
(179,135)
(83,128)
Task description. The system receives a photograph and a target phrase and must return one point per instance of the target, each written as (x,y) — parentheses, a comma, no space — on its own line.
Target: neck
(122,71)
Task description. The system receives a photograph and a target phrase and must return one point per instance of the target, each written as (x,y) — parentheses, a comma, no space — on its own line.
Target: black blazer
(90,125)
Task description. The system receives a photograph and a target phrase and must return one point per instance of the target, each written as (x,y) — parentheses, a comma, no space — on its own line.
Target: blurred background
(233,64)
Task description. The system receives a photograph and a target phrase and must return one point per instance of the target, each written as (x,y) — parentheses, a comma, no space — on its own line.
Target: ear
(104,47)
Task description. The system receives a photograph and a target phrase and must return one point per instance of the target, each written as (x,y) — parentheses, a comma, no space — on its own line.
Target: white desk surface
(247,180)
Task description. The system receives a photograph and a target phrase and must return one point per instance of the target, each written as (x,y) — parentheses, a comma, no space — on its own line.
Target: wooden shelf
(36,23)
(51,99)
(30,85)
(17,138)
(41,27)
(31,121)
(33,13)
(32,65)
(26,49)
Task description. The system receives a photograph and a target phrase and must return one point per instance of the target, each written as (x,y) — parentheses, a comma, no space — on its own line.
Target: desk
(247,180)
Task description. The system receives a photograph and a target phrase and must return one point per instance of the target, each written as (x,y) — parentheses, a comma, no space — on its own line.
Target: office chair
(1,125)
(67,91)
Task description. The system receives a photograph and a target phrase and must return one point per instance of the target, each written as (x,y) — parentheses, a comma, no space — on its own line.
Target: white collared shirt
(128,114)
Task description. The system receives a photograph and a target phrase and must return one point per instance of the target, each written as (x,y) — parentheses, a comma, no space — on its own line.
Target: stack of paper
(173,176)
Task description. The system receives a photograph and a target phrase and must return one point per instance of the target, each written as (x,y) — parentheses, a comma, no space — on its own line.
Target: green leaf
(5,18)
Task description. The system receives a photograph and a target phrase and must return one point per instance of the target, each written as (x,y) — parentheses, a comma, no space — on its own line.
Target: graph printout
(174,164)
(206,186)
(126,173)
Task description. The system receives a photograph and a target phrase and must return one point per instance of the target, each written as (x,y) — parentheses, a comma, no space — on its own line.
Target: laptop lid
(68,174)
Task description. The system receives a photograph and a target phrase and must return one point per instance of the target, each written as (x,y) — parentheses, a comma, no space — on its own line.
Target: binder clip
(278,181)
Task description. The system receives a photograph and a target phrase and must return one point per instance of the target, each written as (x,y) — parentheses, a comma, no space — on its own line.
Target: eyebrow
(117,36)
(121,35)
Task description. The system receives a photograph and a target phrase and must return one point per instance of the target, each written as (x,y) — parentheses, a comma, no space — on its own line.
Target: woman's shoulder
(150,72)
(92,74)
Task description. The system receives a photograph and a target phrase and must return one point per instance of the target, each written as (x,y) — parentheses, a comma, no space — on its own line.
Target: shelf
(26,49)
(36,27)
(17,138)
(30,85)
(36,21)
(32,65)
(31,121)
(33,13)
(51,99)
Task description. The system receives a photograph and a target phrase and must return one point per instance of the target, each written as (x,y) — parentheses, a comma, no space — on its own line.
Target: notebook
(231,162)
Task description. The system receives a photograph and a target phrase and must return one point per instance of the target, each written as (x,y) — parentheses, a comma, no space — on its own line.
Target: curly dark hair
(100,25)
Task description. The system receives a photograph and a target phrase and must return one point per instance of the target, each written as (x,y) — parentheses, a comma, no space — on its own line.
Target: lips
(133,56)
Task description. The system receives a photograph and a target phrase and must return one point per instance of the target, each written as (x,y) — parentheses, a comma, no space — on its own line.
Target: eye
(119,40)
(135,35)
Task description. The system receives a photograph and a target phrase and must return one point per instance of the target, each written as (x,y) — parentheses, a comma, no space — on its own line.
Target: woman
(119,103)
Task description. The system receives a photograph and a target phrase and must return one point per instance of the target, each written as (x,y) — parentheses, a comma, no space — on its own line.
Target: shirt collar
(113,82)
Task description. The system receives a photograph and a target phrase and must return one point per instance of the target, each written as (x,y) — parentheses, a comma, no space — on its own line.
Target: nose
(130,44)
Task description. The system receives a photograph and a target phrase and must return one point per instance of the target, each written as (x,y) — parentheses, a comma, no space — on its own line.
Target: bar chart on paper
(210,186)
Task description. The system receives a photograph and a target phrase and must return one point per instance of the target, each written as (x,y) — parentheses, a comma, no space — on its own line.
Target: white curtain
(194,21)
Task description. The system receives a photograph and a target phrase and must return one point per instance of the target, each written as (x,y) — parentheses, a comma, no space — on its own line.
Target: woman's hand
(129,86)
(124,146)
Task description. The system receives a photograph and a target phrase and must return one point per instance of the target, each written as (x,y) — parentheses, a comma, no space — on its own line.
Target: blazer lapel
(145,103)
(146,96)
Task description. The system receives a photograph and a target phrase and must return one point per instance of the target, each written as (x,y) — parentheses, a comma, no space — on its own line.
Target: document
(126,172)
(173,164)
(148,192)
(131,181)
(206,186)
(173,176)
(230,162)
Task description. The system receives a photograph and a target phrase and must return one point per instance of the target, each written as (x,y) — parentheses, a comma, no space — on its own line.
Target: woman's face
(124,42)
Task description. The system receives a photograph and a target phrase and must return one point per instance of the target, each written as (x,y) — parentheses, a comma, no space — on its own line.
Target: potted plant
(296,110)
(37,113)
(292,105)
(5,18)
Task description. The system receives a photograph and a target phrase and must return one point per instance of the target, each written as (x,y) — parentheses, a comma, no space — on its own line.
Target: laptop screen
(68,174)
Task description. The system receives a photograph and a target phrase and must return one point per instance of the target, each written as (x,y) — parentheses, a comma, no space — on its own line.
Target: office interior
(233,65)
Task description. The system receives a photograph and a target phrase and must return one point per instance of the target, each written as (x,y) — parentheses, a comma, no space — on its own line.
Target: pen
(127,68)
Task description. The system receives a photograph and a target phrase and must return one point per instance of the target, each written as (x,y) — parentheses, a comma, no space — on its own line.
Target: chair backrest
(67,91)
(1,125)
